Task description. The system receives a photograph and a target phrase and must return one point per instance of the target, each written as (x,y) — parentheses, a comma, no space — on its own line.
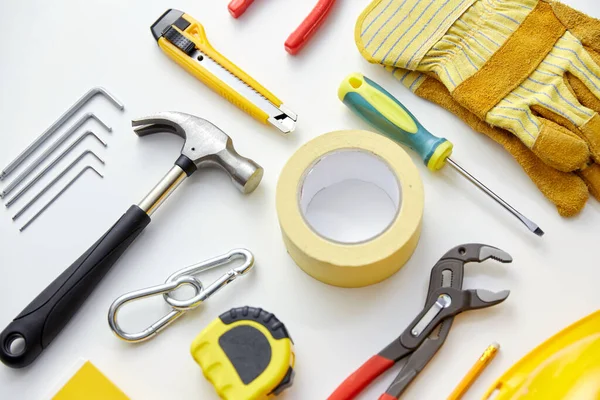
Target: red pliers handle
(238,7)
(296,41)
(362,378)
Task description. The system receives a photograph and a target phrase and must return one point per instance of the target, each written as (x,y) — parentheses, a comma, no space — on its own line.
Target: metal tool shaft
(32,182)
(52,183)
(162,190)
(526,221)
(57,124)
(12,185)
(52,200)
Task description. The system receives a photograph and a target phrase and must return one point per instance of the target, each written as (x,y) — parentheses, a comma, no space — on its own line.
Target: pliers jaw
(478,252)
(450,269)
(428,331)
(445,299)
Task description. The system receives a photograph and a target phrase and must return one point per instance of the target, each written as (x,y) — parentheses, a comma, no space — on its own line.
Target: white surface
(349,196)
(52,52)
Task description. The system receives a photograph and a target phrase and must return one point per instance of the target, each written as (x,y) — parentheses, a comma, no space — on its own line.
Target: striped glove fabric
(568,191)
(529,67)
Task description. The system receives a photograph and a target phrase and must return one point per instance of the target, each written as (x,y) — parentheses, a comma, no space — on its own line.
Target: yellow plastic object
(381,109)
(89,383)
(233,352)
(195,33)
(440,155)
(354,264)
(566,367)
(383,103)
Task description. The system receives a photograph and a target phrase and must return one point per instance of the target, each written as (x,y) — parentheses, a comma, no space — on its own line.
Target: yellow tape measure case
(246,353)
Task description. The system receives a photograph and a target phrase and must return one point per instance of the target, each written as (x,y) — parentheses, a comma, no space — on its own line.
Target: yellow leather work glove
(529,67)
(567,190)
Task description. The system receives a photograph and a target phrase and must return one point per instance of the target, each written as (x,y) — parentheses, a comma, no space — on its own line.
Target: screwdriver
(383,111)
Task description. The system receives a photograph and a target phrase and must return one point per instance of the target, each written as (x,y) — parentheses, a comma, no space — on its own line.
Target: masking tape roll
(333,158)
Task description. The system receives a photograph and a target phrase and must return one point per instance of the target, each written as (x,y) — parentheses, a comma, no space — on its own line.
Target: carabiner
(174,282)
(224,280)
(157,326)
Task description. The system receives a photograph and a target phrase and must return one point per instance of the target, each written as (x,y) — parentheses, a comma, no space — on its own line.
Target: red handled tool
(238,7)
(298,39)
(427,333)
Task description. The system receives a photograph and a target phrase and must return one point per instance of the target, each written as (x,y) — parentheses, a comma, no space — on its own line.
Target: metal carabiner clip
(175,281)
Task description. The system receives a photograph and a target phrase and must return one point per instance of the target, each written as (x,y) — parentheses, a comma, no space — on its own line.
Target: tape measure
(246,353)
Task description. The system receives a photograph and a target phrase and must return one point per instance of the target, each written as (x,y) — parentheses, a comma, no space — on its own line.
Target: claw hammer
(41,321)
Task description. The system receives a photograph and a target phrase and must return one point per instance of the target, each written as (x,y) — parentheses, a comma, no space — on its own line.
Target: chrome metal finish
(224,280)
(443,301)
(489,297)
(42,157)
(162,190)
(281,117)
(52,200)
(57,124)
(160,324)
(527,222)
(39,176)
(49,186)
(205,145)
(285,122)
(178,279)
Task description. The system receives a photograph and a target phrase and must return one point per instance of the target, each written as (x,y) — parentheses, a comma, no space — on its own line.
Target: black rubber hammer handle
(41,321)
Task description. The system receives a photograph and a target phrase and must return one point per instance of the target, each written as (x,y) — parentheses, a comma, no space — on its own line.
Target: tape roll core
(358,263)
(349,171)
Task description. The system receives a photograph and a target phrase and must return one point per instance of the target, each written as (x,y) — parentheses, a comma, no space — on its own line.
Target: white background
(52,52)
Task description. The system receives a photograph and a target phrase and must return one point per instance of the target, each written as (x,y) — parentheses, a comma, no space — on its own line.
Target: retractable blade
(183,39)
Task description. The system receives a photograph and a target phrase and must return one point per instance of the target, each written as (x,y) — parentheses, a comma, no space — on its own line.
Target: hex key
(51,149)
(43,172)
(57,124)
(49,185)
(52,200)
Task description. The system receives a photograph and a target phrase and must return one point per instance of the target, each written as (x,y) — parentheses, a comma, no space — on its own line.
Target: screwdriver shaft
(526,221)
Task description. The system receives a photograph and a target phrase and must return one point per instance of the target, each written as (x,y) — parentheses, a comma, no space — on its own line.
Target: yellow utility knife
(184,40)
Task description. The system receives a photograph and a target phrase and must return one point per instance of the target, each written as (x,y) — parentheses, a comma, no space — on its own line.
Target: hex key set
(70,133)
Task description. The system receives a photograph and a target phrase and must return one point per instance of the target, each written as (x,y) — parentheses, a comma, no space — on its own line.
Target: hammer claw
(144,130)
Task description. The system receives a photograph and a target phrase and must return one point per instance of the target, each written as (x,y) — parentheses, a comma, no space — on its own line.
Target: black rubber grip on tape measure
(248,351)
(266,319)
(179,41)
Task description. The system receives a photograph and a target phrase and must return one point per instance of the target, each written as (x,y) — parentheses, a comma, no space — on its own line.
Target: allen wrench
(11,186)
(52,200)
(52,165)
(57,124)
(53,182)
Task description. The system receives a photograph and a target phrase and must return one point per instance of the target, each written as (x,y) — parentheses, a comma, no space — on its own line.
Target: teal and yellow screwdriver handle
(382,110)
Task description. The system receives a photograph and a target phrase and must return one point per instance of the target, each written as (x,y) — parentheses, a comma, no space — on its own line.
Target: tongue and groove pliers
(428,331)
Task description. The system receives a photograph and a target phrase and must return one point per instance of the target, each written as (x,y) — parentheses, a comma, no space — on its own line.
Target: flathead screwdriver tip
(538,231)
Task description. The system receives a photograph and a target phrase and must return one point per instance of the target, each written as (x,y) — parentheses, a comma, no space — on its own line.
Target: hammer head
(205,145)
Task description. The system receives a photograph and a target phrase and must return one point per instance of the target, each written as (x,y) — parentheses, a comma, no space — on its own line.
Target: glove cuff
(473,39)
(384,24)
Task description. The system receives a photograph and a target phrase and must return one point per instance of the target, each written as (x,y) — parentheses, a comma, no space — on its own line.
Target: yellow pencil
(476,370)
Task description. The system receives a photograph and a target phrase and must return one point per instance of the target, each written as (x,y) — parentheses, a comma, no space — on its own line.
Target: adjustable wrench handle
(43,319)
